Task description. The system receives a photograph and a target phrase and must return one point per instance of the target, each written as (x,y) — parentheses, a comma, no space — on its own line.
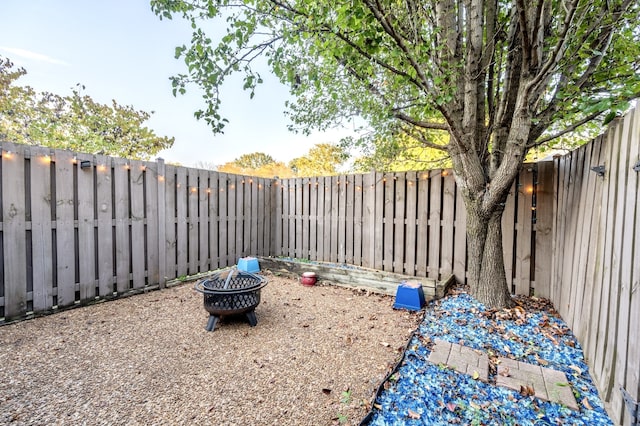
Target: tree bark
(487,279)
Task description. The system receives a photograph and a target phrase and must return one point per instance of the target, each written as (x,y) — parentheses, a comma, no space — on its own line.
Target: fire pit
(232,293)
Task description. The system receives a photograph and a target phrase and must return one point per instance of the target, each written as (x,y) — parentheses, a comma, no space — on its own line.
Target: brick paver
(544,383)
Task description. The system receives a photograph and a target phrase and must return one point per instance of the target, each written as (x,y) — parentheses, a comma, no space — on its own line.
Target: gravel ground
(315,358)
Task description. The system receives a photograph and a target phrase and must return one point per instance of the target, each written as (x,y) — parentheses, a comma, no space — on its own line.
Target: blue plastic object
(409,295)
(248,264)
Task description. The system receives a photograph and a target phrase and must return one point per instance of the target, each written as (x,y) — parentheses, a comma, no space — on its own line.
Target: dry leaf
(474,405)
(412,414)
(326,391)
(504,372)
(527,390)
(586,404)
(475,375)
(576,369)
(385,344)
(451,406)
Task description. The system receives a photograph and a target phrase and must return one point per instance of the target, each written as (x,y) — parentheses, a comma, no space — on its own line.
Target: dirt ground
(315,357)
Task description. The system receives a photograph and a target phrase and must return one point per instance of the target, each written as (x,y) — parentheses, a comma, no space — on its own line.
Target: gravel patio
(315,358)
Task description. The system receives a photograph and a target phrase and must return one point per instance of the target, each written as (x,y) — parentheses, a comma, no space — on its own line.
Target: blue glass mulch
(421,393)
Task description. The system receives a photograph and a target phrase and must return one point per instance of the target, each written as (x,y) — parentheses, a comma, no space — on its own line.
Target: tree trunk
(487,279)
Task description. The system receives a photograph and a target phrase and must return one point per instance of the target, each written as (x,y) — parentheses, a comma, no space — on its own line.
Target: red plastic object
(308,279)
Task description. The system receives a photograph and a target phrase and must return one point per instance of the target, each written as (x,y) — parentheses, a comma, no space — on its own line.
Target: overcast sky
(120,50)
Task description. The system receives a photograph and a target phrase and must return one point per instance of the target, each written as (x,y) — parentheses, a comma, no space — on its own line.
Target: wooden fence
(76,227)
(412,223)
(596,258)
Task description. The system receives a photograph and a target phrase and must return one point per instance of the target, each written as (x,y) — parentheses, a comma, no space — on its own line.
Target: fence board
(573,235)
(368,219)
(321,219)
(13,232)
(618,312)
(435,216)
(160,221)
(460,243)
(137,234)
(523,233)
(224,224)
(389,202)
(509,219)
(65,229)
(297,214)
(41,230)
(204,196)
(193,221)
(171,224)
(582,247)
(349,218)
(423,224)
(214,221)
(257,206)
(358,219)
(411,223)
(182,224)
(86,229)
(313,218)
(544,229)
(608,294)
(378,235)
(446,237)
(335,252)
(398,228)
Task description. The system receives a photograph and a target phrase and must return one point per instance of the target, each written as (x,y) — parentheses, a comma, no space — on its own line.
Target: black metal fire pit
(231,293)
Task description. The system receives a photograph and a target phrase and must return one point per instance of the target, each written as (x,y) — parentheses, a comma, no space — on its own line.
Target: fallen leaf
(326,391)
(451,406)
(412,414)
(385,344)
(586,404)
(506,349)
(504,372)
(576,369)
(474,405)
(377,406)
(527,390)
(475,375)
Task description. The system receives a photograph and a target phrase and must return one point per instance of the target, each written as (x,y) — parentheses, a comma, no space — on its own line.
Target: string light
(160,178)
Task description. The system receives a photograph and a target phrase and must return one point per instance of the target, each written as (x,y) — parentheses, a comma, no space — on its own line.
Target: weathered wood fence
(596,257)
(76,227)
(412,223)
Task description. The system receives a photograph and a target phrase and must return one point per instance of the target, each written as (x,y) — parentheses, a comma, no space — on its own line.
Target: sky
(119,49)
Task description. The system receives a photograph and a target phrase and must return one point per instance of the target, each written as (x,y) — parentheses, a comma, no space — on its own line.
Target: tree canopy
(498,76)
(323,159)
(74,122)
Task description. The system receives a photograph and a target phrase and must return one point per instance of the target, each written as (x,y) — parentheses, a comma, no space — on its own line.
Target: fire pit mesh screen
(232,293)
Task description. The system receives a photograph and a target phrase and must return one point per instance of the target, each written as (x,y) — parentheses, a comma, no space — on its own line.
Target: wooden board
(86,228)
(508,235)
(368,219)
(41,229)
(193,222)
(523,233)
(435,214)
(335,252)
(374,280)
(378,236)
(349,218)
(460,240)
(65,228)
(448,215)
(223,223)
(411,223)
(544,228)
(399,195)
(389,203)
(204,198)
(161,220)
(13,231)
(422,246)
(137,232)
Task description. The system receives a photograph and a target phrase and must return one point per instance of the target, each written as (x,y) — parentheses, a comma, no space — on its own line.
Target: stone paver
(547,384)
(461,358)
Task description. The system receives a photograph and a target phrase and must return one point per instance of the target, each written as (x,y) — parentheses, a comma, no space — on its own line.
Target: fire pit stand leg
(213,320)
(251,316)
